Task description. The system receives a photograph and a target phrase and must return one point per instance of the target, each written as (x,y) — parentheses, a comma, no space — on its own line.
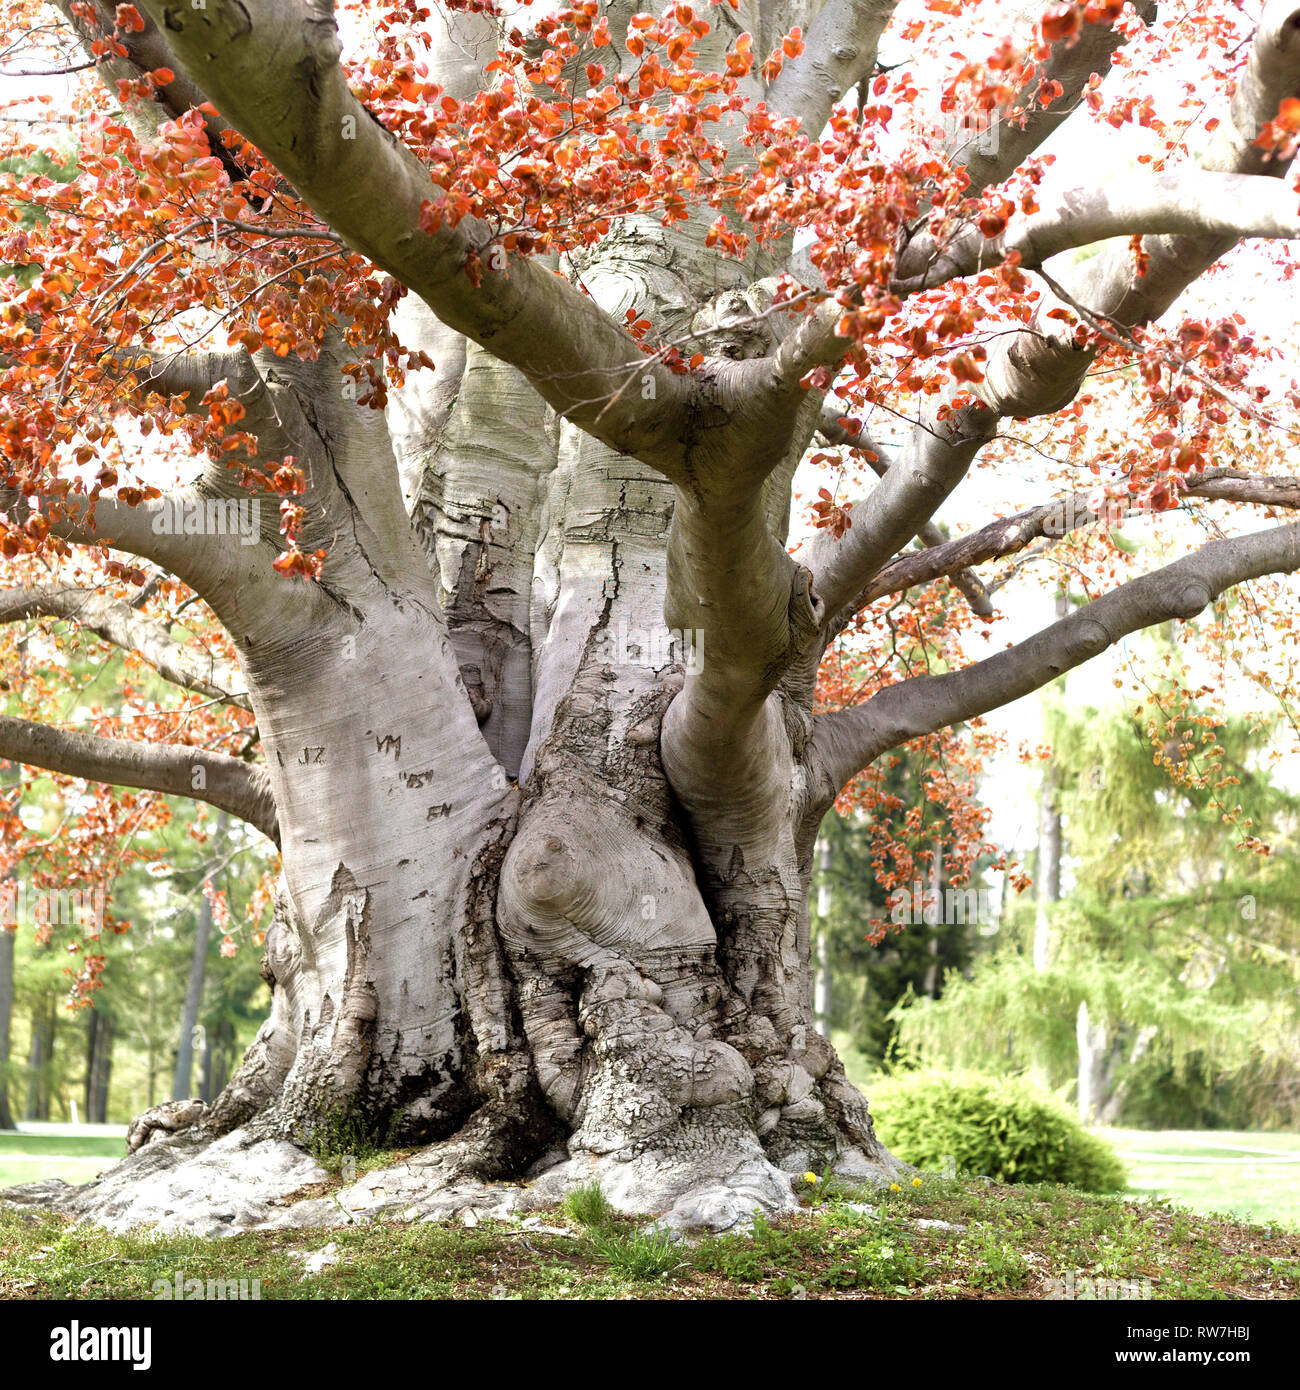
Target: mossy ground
(1016,1242)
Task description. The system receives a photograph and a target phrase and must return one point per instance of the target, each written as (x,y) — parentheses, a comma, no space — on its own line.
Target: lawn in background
(1206,1170)
(73,1153)
(1252,1174)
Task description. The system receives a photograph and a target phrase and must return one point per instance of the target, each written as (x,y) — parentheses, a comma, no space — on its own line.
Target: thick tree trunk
(514,951)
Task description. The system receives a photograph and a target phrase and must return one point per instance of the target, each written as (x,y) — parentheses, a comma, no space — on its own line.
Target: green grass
(74,1158)
(1166,1164)
(72,1146)
(639,1256)
(1013,1242)
(832,1252)
(588,1206)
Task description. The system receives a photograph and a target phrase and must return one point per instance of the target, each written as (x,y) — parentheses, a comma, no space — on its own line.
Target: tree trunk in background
(823,998)
(823,1001)
(931,985)
(205,1068)
(1048,875)
(1048,886)
(1093,1059)
(6,1020)
(223,1055)
(1117,1083)
(183,1078)
(218,1057)
(11,780)
(40,1059)
(99,1064)
(151,1048)
(1096,1059)
(193,999)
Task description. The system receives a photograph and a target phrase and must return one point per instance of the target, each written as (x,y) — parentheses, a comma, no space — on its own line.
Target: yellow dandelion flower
(811,1177)
(916,1182)
(894,1187)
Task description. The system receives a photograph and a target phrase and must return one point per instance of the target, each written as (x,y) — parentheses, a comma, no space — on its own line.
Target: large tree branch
(1022,129)
(220,537)
(849,740)
(203,558)
(1191,202)
(222,781)
(147,51)
(133,529)
(125,627)
(369,187)
(952,558)
(751,609)
(1040,370)
(929,536)
(839,51)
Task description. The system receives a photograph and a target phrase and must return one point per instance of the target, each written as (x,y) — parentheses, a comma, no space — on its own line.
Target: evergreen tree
(1176,946)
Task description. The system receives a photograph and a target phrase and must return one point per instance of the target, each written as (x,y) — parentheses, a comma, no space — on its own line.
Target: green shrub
(982,1125)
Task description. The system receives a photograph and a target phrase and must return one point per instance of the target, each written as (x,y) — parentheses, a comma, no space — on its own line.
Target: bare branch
(1055,519)
(1192,202)
(849,740)
(929,536)
(220,780)
(119,623)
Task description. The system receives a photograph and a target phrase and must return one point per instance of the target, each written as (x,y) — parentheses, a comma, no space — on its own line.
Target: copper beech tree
(450,365)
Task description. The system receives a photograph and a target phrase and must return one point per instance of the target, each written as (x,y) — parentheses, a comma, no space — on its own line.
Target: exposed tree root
(707,1176)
